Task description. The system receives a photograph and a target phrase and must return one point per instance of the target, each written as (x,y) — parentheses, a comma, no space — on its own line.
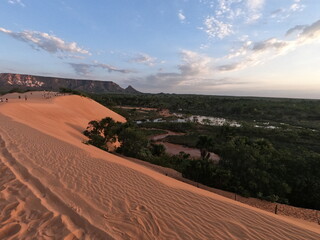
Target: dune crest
(53,185)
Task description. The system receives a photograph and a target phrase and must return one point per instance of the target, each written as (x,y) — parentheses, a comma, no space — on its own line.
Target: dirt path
(160,137)
(175,149)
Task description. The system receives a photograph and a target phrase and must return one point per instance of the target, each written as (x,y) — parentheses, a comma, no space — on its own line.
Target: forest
(298,112)
(279,164)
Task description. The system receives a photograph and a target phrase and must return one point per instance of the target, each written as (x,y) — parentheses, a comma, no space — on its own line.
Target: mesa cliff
(10,81)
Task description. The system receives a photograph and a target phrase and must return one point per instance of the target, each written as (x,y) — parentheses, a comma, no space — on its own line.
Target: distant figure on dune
(6,99)
(19,96)
(25,98)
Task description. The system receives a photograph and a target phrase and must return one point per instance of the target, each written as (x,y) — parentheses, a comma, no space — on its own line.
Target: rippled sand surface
(52,186)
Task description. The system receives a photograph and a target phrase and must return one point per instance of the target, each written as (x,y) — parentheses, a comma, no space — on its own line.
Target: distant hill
(10,81)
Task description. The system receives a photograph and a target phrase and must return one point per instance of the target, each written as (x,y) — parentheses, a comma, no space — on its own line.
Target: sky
(215,47)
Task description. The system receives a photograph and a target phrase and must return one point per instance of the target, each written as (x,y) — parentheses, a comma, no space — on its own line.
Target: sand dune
(55,187)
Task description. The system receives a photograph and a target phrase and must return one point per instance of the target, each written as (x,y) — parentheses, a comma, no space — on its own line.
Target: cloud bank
(204,72)
(251,54)
(46,42)
(196,71)
(284,13)
(144,59)
(84,68)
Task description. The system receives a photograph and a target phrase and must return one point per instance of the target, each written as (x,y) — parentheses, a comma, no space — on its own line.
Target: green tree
(204,144)
(100,133)
(157,149)
(133,143)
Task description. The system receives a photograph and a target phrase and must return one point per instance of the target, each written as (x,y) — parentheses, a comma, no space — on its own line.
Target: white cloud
(251,54)
(271,43)
(310,33)
(85,69)
(181,16)
(284,13)
(81,68)
(216,28)
(256,53)
(242,51)
(64,56)
(144,59)
(297,28)
(297,6)
(255,5)
(196,70)
(228,14)
(45,41)
(195,64)
(204,46)
(19,2)
(276,12)
(111,68)
(250,10)
(254,10)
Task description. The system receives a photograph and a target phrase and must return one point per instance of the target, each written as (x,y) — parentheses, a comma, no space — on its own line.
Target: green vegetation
(204,143)
(277,164)
(100,133)
(134,143)
(247,167)
(15,90)
(136,114)
(75,92)
(152,132)
(274,164)
(172,126)
(298,112)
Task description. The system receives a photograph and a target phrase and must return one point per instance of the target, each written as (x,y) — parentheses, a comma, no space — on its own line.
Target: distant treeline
(15,90)
(293,111)
(61,90)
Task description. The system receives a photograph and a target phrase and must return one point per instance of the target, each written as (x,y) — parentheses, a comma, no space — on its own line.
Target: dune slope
(53,185)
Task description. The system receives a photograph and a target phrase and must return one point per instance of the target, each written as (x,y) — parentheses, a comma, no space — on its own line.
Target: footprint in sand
(74,208)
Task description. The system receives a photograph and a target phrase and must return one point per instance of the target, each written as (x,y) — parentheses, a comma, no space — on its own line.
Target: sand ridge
(97,195)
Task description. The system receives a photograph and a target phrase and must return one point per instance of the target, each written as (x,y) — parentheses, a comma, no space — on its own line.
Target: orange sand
(52,186)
